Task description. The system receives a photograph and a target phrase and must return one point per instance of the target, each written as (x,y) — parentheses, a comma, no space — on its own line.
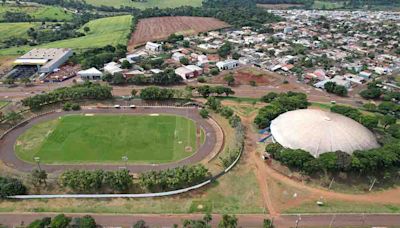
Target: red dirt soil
(159,28)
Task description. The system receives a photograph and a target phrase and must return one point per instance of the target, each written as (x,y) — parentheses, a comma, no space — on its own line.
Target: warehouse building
(46,59)
(318,132)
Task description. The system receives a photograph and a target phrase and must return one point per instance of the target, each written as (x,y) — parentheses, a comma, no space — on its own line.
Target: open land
(38,12)
(106,138)
(279,6)
(159,28)
(9,30)
(104,31)
(146,4)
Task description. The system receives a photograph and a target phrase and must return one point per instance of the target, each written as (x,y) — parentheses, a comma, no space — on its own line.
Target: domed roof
(318,131)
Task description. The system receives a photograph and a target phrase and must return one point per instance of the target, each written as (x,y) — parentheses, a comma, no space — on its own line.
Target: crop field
(9,30)
(106,138)
(38,12)
(146,4)
(104,31)
(159,28)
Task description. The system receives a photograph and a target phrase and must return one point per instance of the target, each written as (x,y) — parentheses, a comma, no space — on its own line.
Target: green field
(38,12)
(9,30)
(3,104)
(104,31)
(106,138)
(327,5)
(146,4)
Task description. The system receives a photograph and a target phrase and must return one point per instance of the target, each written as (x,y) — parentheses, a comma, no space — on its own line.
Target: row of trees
(62,221)
(278,104)
(172,179)
(84,181)
(77,92)
(97,57)
(381,161)
(206,90)
(164,78)
(332,87)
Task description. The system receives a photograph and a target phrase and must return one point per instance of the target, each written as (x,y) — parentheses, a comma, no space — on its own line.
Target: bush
(10,187)
(60,221)
(204,113)
(226,112)
(201,79)
(214,71)
(67,106)
(75,107)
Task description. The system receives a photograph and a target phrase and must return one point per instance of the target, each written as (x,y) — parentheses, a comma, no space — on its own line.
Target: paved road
(8,156)
(283,221)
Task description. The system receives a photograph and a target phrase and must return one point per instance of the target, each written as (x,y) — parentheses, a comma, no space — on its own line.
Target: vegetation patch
(107,138)
(146,4)
(37,12)
(104,31)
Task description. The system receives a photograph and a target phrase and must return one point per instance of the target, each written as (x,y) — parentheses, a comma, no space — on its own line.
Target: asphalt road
(283,221)
(8,156)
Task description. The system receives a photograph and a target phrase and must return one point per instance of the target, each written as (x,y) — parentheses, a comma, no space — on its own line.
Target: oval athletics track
(9,158)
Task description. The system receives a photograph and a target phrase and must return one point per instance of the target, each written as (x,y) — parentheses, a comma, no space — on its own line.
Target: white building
(228,64)
(90,74)
(187,72)
(177,56)
(112,68)
(150,46)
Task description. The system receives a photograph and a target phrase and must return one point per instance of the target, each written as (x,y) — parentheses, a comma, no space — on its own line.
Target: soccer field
(106,138)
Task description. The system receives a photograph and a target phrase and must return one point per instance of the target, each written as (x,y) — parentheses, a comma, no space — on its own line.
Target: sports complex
(144,138)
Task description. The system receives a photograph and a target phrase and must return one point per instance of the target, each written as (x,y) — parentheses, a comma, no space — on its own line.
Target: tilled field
(159,28)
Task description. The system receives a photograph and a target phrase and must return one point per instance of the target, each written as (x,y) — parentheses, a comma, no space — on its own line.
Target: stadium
(318,132)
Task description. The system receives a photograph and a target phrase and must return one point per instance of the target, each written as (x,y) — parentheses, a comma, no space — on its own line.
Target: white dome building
(318,131)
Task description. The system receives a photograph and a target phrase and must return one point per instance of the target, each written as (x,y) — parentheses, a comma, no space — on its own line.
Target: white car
(132,106)
(117,106)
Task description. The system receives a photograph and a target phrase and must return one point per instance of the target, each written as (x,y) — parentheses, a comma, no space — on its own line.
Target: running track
(8,156)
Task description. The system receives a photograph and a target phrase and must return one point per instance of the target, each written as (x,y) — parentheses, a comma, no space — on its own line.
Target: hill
(104,31)
(9,30)
(37,12)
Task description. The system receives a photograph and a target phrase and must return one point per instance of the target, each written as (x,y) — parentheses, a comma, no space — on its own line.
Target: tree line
(77,92)
(278,104)
(97,57)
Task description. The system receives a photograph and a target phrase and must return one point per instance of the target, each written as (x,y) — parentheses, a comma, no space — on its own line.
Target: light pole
(37,160)
(298,220)
(125,159)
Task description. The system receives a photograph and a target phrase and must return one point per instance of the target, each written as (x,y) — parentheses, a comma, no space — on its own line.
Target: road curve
(8,156)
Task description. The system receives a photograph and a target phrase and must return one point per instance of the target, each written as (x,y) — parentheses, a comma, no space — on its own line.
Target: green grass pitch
(106,138)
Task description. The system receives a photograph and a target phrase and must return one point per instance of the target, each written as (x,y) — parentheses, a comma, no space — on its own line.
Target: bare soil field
(244,75)
(159,28)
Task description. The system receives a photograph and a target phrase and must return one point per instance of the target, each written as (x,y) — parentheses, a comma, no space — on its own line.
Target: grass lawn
(104,31)
(9,30)
(335,206)
(240,99)
(146,4)
(40,12)
(228,195)
(106,138)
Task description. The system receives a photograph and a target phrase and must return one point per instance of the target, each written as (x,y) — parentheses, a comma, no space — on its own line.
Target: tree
(387,120)
(228,221)
(226,112)
(225,50)
(213,103)
(38,177)
(126,64)
(269,97)
(186,44)
(40,223)
(370,107)
(67,106)
(394,130)
(134,92)
(214,71)
(268,223)
(369,122)
(373,93)
(204,91)
(87,221)
(236,56)
(140,224)
(229,79)
(75,107)
(10,187)
(60,221)
(204,113)
(86,29)
(118,79)
(340,90)
(184,61)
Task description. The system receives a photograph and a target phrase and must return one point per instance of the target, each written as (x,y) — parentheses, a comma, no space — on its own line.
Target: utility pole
(298,221)
(125,159)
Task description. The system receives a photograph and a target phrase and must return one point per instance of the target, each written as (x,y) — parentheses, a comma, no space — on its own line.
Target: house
(187,72)
(365,74)
(90,74)
(177,56)
(112,68)
(150,46)
(341,80)
(201,60)
(228,64)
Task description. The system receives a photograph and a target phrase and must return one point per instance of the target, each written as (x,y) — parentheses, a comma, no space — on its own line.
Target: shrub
(201,79)
(203,113)
(75,107)
(67,106)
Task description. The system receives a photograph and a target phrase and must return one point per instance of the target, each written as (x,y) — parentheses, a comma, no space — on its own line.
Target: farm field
(38,12)
(146,4)
(9,30)
(104,31)
(159,28)
(246,75)
(106,138)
